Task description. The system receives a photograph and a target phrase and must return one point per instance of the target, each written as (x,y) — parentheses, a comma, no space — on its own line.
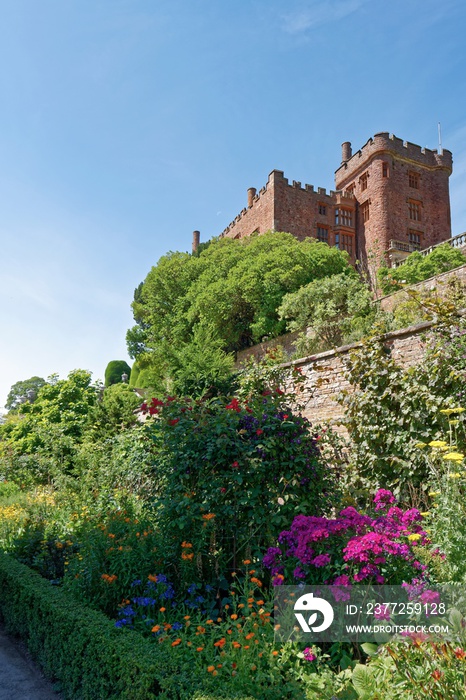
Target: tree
(23,391)
(334,310)
(229,294)
(419,267)
(45,435)
(114,371)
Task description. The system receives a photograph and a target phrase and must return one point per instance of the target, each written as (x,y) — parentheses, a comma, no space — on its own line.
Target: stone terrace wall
(325,373)
(439,282)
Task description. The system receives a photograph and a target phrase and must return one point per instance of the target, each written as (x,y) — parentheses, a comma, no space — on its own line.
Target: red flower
(223,490)
(143,408)
(235,465)
(259,432)
(173,421)
(436,675)
(285,417)
(156,402)
(234,405)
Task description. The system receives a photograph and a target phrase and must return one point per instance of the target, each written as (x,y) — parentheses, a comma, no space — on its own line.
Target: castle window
(343,217)
(384,169)
(414,210)
(363,181)
(323,209)
(415,239)
(351,188)
(347,243)
(364,209)
(413,179)
(322,234)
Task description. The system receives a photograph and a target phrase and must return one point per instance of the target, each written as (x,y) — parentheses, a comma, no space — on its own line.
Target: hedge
(83,651)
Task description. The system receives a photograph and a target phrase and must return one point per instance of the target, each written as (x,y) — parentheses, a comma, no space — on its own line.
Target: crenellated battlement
(390,144)
(389,189)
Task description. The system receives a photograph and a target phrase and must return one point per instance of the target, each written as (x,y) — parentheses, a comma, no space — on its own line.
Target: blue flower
(199,599)
(144,601)
(128,610)
(177,626)
(192,588)
(122,623)
(209,588)
(136,583)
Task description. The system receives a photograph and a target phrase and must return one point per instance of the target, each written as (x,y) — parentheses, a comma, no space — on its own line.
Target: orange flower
(250,635)
(209,622)
(187,545)
(162,609)
(187,556)
(246,646)
(215,673)
(256,581)
(156,628)
(221,643)
(200,630)
(176,642)
(253,571)
(253,667)
(208,516)
(246,562)
(210,668)
(237,645)
(200,649)
(186,617)
(241,605)
(260,602)
(152,578)
(275,653)
(234,616)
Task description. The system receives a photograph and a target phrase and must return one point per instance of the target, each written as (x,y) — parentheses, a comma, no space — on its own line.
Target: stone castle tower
(391,197)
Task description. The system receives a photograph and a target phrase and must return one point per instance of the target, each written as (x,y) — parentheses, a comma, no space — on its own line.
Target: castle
(391,197)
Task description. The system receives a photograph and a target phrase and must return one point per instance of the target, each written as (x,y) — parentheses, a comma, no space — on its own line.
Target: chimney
(196,240)
(346,151)
(251,194)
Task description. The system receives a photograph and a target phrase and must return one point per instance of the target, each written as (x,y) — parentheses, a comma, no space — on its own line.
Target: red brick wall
(388,196)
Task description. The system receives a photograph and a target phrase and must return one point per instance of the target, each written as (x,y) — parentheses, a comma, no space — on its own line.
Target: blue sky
(126,124)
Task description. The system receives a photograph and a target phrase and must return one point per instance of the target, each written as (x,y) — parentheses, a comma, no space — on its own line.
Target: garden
(143,541)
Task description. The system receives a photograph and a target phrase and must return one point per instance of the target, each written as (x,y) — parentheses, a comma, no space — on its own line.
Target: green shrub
(419,267)
(83,651)
(114,370)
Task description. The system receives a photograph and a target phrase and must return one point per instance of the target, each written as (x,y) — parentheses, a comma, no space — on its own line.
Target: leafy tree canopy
(232,291)
(335,310)
(23,391)
(419,267)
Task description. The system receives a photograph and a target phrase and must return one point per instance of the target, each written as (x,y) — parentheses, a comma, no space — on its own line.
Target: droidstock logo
(308,604)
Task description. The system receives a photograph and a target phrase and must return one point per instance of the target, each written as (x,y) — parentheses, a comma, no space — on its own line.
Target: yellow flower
(449,411)
(424,515)
(453,422)
(414,537)
(420,445)
(455,476)
(454,456)
(437,443)
(434,493)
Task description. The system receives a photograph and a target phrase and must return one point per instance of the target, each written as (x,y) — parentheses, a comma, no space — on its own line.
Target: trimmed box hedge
(83,651)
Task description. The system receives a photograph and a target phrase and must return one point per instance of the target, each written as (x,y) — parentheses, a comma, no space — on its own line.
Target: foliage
(116,411)
(43,440)
(394,408)
(226,298)
(218,462)
(114,371)
(446,520)
(419,267)
(380,548)
(23,391)
(333,310)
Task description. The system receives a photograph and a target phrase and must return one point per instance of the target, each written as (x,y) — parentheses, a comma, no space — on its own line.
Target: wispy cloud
(319,12)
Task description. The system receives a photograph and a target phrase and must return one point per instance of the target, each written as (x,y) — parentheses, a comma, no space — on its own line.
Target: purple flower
(383,499)
(308,655)
(321,560)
